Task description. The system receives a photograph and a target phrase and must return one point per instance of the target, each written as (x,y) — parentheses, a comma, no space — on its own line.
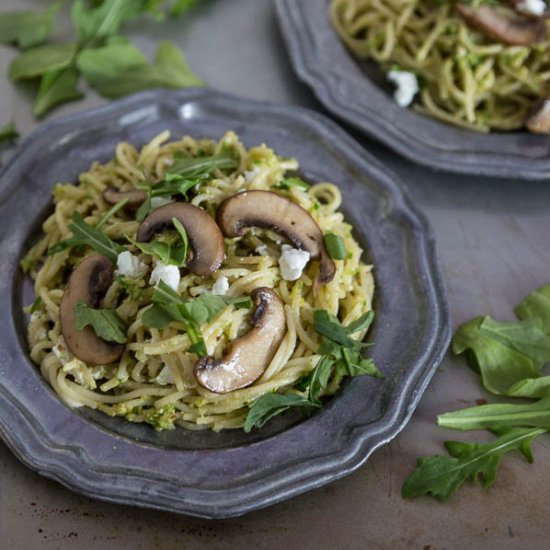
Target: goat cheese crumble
(534,7)
(406,86)
(168,274)
(292,262)
(129,265)
(221,286)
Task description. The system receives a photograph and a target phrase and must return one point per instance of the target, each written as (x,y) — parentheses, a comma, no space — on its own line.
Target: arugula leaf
(104,20)
(335,246)
(441,476)
(490,349)
(106,323)
(169,306)
(41,60)
(320,378)
(56,86)
(329,326)
(111,212)
(8,132)
(499,415)
(537,305)
(86,234)
(36,305)
(362,323)
(170,70)
(203,167)
(27,28)
(272,404)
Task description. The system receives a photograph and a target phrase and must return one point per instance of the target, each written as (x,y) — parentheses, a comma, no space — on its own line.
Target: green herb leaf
(27,28)
(111,212)
(36,305)
(537,305)
(329,326)
(8,132)
(320,378)
(104,20)
(441,476)
(203,167)
(499,415)
(42,60)
(170,70)
(362,323)
(271,404)
(287,183)
(106,323)
(335,246)
(56,87)
(505,354)
(85,234)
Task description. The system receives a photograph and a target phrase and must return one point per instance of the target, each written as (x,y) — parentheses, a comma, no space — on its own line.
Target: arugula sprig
(87,235)
(170,249)
(341,356)
(106,323)
(185,173)
(8,132)
(168,306)
(509,356)
(108,62)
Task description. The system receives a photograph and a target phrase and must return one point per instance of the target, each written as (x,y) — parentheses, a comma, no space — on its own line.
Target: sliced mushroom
(250,355)
(136,197)
(538,121)
(499,26)
(88,284)
(205,236)
(272,211)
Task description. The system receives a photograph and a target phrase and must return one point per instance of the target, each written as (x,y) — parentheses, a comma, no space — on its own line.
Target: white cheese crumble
(261,249)
(221,286)
(165,377)
(407,86)
(292,262)
(61,352)
(129,265)
(169,274)
(534,7)
(157,202)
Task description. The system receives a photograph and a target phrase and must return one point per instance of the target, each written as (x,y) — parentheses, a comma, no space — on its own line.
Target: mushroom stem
(250,355)
(135,197)
(538,121)
(506,29)
(88,284)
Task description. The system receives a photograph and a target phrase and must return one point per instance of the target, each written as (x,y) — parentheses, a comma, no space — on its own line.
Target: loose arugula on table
(341,356)
(107,61)
(8,132)
(509,356)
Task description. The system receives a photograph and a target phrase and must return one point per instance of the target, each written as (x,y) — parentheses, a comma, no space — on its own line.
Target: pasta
(153,380)
(467,79)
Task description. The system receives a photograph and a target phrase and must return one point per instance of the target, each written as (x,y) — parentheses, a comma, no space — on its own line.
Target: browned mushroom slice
(250,355)
(88,284)
(499,26)
(136,197)
(272,211)
(204,235)
(538,121)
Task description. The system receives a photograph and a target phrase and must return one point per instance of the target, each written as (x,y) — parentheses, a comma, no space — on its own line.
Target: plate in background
(230,473)
(356,92)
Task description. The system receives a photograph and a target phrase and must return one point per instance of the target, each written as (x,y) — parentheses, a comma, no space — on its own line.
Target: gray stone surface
(493,245)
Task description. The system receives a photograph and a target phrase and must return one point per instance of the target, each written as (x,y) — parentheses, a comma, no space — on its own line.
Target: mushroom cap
(136,197)
(538,121)
(273,211)
(87,284)
(516,31)
(204,235)
(250,355)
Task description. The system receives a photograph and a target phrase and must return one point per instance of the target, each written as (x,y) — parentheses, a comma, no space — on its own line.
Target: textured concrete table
(493,246)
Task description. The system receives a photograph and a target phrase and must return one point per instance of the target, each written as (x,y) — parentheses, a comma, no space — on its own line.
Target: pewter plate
(357,92)
(230,473)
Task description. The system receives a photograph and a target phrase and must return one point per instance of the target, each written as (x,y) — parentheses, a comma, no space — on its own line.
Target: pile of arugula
(509,356)
(341,356)
(108,62)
